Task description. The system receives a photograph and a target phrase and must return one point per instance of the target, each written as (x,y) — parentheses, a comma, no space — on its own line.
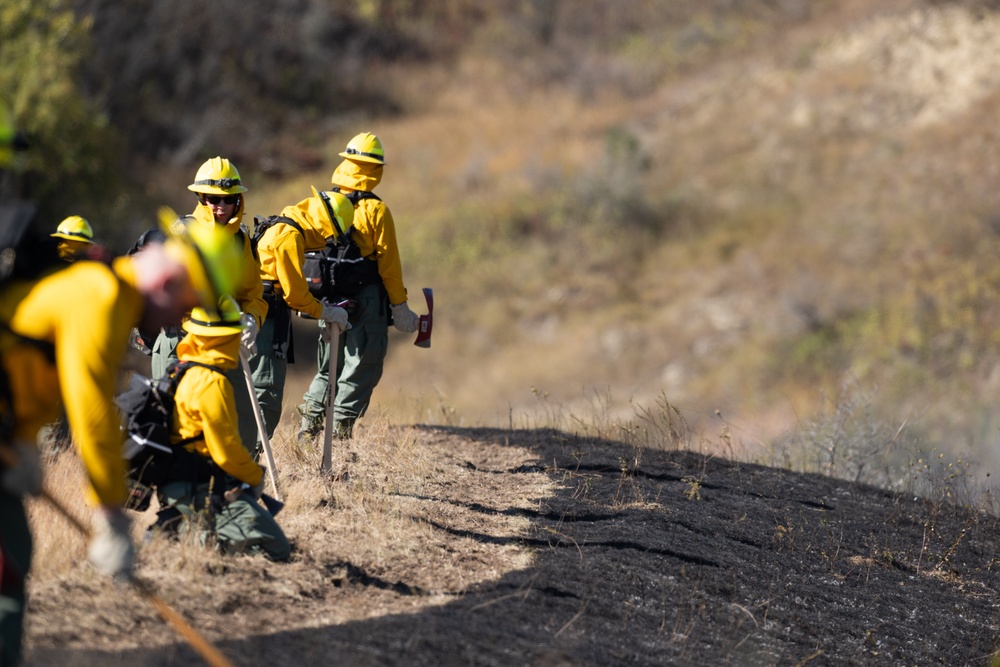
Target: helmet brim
(357,157)
(212,329)
(215,190)
(71,237)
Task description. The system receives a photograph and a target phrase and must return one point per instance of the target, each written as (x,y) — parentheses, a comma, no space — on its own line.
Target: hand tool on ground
(265,442)
(331,391)
(197,641)
(426,322)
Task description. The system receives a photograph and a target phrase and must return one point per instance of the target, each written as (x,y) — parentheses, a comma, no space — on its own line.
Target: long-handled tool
(197,641)
(265,441)
(334,329)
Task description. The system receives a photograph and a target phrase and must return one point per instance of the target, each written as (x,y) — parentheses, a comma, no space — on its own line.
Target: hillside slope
(539,547)
(812,208)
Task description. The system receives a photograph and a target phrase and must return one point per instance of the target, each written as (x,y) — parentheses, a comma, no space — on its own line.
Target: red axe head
(426,321)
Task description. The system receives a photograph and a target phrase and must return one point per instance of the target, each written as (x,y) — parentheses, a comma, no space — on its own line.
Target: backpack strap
(261,225)
(356,195)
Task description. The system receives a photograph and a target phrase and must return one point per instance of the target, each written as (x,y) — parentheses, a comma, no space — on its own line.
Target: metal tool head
(426,321)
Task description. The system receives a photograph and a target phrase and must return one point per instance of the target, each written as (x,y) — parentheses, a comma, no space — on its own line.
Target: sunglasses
(215,200)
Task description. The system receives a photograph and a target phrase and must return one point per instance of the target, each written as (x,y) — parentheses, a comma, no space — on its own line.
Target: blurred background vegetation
(763,210)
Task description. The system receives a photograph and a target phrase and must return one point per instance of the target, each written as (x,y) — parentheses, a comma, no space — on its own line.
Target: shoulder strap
(357,195)
(261,225)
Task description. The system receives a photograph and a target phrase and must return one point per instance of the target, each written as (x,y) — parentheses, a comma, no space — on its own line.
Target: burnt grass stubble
(654,557)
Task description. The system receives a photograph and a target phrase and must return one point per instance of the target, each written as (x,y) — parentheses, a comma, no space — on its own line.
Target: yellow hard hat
(225,322)
(210,254)
(217,176)
(365,147)
(75,228)
(339,209)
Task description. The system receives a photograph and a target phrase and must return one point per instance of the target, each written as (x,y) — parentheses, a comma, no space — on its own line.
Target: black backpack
(339,270)
(147,408)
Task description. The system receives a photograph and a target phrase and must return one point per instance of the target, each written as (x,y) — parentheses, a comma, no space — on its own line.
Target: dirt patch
(517,547)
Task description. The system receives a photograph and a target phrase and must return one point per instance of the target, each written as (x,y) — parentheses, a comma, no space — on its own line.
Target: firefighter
(221,201)
(281,243)
(75,234)
(205,482)
(362,348)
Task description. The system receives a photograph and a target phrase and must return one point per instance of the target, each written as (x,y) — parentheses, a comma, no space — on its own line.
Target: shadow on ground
(652,557)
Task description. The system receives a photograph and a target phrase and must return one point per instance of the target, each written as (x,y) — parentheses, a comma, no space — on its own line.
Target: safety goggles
(215,200)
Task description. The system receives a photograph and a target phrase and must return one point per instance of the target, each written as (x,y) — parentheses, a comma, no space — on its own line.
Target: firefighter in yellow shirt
(222,202)
(216,475)
(362,349)
(281,245)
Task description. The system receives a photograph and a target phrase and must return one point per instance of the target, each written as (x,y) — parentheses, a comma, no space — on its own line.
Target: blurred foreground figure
(380,299)
(64,334)
(214,484)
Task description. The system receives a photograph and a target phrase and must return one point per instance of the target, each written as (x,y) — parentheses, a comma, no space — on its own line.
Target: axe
(426,321)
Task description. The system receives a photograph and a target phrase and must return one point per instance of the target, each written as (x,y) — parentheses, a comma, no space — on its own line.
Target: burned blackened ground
(629,556)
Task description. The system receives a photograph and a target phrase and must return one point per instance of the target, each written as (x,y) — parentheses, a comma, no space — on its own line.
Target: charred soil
(541,547)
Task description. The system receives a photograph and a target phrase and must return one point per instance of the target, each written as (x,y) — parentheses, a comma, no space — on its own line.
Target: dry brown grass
(374,518)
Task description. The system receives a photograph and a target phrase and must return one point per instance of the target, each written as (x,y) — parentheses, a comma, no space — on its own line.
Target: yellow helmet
(339,210)
(75,228)
(211,255)
(224,322)
(365,147)
(217,176)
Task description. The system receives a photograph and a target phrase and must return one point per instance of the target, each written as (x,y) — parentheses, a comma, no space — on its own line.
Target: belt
(271,287)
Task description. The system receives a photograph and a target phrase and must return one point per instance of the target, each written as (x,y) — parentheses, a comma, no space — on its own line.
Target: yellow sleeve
(249,292)
(211,409)
(381,229)
(289,254)
(90,343)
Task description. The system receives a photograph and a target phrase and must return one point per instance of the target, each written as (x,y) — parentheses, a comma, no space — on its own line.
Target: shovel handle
(265,442)
(326,463)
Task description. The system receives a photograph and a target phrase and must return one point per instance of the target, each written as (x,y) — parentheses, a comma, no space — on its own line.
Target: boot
(344,429)
(310,426)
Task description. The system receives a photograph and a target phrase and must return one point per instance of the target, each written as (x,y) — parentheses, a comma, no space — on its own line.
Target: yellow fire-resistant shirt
(374,229)
(249,292)
(282,253)
(85,312)
(205,404)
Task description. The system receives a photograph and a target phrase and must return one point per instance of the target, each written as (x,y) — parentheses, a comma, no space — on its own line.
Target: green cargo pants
(359,362)
(238,527)
(269,368)
(165,352)
(15,544)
